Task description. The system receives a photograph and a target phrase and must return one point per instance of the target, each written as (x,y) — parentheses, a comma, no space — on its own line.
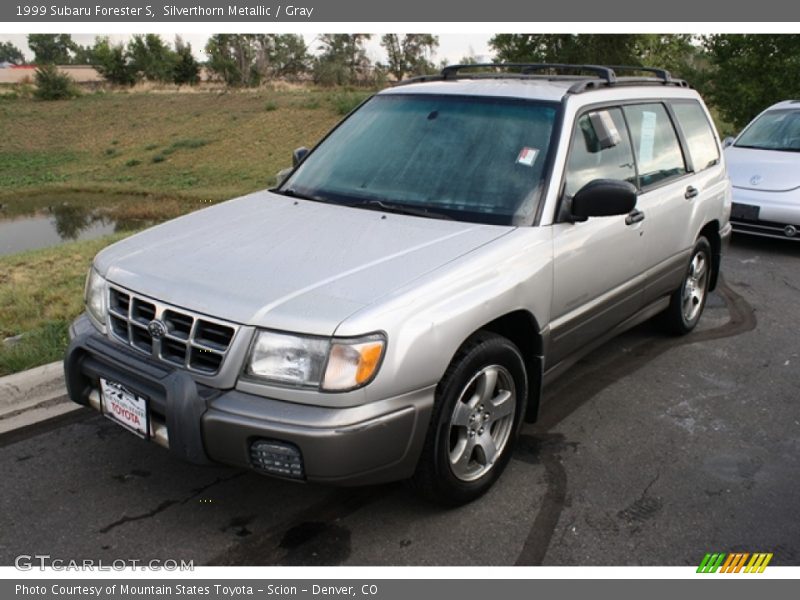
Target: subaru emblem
(156,329)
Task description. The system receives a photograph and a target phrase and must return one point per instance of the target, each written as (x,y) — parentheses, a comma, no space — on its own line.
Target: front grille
(191,341)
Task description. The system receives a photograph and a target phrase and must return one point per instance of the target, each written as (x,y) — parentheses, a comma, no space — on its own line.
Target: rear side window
(698,133)
(590,158)
(658,152)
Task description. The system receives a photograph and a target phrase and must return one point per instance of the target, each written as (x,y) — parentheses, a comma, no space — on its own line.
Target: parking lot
(652,451)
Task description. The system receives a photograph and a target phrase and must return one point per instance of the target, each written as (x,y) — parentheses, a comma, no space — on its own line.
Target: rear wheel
(687,302)
(479,403)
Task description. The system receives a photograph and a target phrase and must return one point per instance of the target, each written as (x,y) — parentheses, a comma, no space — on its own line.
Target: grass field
(207,146)
(40,293)
(138,156)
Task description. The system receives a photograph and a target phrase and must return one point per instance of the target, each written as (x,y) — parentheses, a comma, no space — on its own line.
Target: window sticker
(647,139)
(527,156)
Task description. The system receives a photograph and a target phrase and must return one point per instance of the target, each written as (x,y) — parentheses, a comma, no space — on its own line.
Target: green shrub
(51,84)
(133,162)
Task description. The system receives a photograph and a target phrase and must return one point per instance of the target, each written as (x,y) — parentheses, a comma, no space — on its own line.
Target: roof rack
(598,75)
(606,73)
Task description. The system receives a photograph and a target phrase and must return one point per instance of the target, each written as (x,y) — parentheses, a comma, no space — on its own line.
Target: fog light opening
(277,458)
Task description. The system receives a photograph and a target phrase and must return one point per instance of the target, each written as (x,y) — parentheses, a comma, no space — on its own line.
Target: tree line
(739,74)
(239,60)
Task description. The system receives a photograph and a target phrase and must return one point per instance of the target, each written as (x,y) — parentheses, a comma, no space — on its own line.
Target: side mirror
(603,198)
(728,141)
(298,155)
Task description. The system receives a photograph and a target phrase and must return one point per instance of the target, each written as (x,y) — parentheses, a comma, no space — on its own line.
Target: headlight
(331,365)
(95,297)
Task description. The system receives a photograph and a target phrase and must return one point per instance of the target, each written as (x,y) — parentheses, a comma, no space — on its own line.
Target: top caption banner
(320,11)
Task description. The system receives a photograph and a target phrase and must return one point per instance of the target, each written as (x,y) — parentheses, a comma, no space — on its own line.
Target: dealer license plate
(125,407)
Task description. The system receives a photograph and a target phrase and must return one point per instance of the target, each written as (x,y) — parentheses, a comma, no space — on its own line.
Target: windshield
(467,158)
(774,130)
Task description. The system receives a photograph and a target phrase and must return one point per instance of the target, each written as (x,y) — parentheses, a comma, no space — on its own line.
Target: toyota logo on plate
(156,329)
(755,180)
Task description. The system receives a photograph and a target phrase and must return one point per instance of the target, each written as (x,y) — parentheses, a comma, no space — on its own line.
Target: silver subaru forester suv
(392,309)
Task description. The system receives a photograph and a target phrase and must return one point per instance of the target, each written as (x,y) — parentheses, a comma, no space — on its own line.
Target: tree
(678,53)
(249,59)
(51,48)
(674,52)
(187,69)
(596,49)
(290,56)
(343,59)
(111,61)
(151,58)
(11,54)
(231,57)
(82,55)
(53,85)
(749,72)
(410,54)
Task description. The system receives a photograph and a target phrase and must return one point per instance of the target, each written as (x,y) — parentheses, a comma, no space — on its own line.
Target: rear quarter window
(698,133)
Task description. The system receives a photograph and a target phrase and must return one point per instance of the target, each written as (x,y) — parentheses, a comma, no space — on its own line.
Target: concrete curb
(32,396)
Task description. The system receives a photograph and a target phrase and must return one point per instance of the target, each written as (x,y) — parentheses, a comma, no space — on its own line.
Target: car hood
(765,170)
(271,261)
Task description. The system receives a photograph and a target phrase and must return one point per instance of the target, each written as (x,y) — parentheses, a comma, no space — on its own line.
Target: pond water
(42,231)
(32,223)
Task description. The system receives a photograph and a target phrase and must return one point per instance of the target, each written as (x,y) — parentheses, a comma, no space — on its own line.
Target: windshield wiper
(400,209)
(291,193)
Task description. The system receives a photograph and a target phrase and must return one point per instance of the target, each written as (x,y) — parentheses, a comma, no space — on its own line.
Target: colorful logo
(734,562)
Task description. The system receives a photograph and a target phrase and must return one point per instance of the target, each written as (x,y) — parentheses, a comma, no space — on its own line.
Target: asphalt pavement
(653,450)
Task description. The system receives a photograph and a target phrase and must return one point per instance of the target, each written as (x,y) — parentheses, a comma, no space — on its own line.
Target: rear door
(669,190)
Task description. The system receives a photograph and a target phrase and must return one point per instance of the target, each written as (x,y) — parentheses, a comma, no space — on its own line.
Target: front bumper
(778,213)
(373,443)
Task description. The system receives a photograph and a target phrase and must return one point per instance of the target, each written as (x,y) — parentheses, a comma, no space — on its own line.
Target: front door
(598,263)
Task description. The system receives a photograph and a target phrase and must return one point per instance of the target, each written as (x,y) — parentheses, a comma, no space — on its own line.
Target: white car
(764,167)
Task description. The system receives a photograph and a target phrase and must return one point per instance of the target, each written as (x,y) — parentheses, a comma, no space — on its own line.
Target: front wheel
(479,404)
(687,302)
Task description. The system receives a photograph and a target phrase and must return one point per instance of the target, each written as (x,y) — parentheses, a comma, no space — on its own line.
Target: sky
(452,46)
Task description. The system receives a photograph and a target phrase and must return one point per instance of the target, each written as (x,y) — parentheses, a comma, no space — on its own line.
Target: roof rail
(662,74)
(606,73)
(601,76)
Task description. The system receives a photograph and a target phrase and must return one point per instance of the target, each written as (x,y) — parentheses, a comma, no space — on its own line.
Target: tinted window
(698,133)
(475,159)
(589,160)
(658,152)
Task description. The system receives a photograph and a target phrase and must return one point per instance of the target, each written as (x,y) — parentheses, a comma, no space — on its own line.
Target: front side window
(479,159)
(600,149)
(774,130)
(698,133)
(658,152)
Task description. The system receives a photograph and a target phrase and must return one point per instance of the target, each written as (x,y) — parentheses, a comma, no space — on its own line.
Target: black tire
(439,478)
(688,301)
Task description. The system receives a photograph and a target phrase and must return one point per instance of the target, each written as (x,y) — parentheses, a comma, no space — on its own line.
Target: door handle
(691,192)
(636,216)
